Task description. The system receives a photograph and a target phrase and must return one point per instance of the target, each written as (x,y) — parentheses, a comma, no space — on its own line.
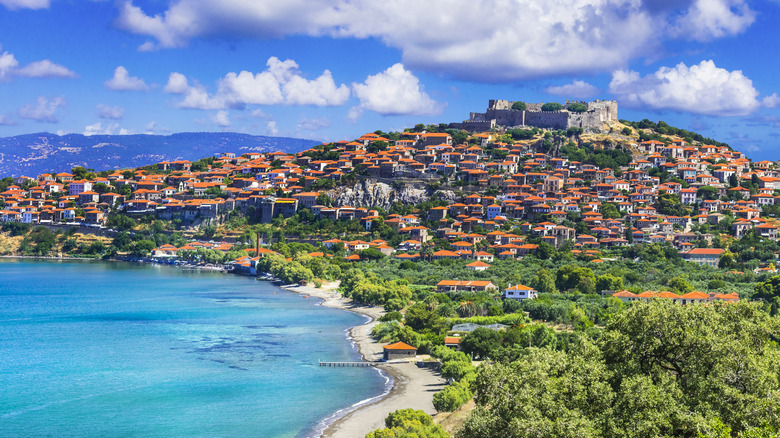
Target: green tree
(409,423)
(552,106)
(679,285)
(371,254)
(143,247)
(39,242)
(609,211)
(122,240)
(769,292)
(519,105)
(669,204)
(577,107)
(101,188)
(481,342)
(707,192)
(609,282)
(543,281)
(659,369)
(120,222)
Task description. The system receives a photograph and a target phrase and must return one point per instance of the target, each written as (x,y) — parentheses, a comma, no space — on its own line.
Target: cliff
(369,193)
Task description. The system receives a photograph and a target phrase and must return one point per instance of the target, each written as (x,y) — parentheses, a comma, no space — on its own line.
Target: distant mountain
(33,154)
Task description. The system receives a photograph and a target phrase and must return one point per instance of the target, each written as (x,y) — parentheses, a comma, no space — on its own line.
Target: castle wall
(551,120)
(500,113)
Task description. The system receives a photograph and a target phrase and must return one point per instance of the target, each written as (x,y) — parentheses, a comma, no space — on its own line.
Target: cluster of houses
(531,191)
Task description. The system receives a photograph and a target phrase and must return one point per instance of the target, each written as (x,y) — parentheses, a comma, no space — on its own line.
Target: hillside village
(485,246)
(495,198)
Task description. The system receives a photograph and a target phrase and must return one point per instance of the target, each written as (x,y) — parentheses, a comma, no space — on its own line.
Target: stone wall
(550,120)
(500,113)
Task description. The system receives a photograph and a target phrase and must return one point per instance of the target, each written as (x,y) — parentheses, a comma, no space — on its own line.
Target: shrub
(452,397)
(519,105)
(552,106)
(391,316)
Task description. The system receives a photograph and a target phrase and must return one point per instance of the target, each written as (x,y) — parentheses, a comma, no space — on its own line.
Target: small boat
(306,296)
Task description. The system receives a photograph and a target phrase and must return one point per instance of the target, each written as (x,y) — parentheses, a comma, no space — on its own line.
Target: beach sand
(413,387)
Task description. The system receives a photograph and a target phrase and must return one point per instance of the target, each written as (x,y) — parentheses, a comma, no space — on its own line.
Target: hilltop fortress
(500,114)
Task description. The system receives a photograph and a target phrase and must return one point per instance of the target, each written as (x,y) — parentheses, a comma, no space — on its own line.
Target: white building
(520,292)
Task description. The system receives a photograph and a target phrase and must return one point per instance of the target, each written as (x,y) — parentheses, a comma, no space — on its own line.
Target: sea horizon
(152,350)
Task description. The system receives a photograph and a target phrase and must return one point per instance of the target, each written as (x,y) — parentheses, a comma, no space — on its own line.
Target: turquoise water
(117,349)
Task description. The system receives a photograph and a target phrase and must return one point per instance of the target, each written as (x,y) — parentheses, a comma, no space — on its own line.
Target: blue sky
(336,69)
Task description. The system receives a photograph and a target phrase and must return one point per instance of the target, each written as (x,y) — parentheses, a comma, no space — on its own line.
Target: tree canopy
(659,369)
(577,107)
(519,105)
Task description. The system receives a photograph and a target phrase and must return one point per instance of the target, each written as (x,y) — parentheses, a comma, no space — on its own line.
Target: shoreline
(410,386)
(181,266)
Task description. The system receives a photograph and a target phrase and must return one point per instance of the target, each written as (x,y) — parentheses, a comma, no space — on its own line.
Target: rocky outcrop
(375,194)
(447,195)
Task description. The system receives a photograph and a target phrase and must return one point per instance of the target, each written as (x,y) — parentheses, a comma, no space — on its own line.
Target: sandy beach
(413,387)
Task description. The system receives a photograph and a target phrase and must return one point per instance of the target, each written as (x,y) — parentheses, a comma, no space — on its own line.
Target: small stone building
(399,350)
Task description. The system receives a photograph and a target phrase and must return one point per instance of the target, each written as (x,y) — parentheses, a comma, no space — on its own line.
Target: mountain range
(33,154)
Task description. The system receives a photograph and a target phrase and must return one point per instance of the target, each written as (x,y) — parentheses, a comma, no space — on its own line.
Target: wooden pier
(348,364)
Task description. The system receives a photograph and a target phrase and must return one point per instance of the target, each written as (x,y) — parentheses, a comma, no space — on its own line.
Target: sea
(114,349)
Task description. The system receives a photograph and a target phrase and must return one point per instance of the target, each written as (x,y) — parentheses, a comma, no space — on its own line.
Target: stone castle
(500,115)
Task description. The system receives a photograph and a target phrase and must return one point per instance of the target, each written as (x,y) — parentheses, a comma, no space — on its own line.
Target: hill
(33,154)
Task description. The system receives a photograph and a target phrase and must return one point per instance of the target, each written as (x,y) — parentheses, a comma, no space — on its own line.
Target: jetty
(348,364)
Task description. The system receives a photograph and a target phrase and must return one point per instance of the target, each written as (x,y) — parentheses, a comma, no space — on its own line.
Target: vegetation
(552,106)
(662,128)
(655,371)
(577,107)
(519,105)
(409,423)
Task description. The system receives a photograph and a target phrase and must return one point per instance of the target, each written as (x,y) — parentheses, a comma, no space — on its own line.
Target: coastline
(411,387)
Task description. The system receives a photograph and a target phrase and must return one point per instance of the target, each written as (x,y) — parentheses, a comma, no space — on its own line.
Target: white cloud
(701,89)
(9,67)
(280,83)
(314,124)
(25,4)
(99,129)
(709,19)
(221,119)
(122,81)
(8,64)
(110,112)
(6,120)
(271,127)
(177,84)
(577,89)
(320,92)
(45,69)
(395,91)
(150,127)
(43,110)
(771,101)
(492,40)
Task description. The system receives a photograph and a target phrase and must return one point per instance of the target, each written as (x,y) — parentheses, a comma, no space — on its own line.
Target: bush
(393,305)
(16,228)
(519,105)
(408,423)
(391,316)
(577,107)
(552,106)
(452,397)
